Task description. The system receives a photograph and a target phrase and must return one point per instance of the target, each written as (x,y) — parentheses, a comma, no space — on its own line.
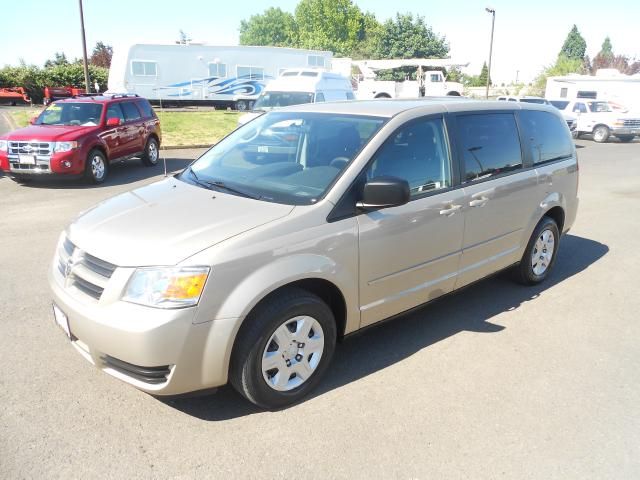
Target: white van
(298,85)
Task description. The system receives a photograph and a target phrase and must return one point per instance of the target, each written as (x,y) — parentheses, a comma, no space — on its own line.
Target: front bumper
(626,131)
(158,351)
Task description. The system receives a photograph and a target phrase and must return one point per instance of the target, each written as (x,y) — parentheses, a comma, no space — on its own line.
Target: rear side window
(580,108)
(130,111)
(546,136)
(490,145)
(145,108)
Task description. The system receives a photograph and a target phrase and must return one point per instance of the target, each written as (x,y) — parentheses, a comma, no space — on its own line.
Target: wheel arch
(453,93)
(558,215)
(382,95)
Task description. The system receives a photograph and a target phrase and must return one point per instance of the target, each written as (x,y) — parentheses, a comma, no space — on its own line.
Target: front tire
(601,134)
(96,167)
(151,153)
(283,349)
(540,255)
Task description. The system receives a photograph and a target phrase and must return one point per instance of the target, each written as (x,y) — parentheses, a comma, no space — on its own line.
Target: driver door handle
(450,210)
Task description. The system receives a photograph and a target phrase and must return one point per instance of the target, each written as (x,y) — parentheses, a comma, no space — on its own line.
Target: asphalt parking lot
(501,381)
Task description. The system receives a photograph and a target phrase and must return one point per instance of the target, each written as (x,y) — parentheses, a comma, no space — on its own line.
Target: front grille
(30,148)
(84,272)
(634,122)
(22,166)
(153,375)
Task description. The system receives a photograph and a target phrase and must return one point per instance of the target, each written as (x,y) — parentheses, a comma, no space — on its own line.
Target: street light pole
(84,51)
(492,11)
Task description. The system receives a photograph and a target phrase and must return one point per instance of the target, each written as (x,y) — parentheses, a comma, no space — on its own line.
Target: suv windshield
(83,114)
(599,107)
(269,100)
(284,157)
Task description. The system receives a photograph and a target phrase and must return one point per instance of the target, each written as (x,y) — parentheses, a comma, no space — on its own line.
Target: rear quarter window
(145,108)
(546,136)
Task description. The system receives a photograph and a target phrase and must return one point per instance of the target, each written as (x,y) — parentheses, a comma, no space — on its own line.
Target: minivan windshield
(82,113)
(284,157)
(270,100)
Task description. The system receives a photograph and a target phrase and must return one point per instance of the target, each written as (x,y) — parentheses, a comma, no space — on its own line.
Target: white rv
(606,84)
(231,76)
(300,85)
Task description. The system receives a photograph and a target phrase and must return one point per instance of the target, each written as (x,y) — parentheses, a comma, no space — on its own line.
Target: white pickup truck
(598,118)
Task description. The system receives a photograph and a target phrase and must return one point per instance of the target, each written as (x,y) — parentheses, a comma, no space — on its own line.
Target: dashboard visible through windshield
(82,114)
(284,157)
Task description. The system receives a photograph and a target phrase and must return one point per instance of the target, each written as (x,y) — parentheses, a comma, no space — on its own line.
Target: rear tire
(96,167)
(283,349)
(151,153)
(601,134)
(540,255)
(626,138)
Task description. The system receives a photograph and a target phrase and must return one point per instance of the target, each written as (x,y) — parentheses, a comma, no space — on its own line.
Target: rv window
(251,73)
(217,70)
(316,61)
(587,94)
(564,92)
(144,69)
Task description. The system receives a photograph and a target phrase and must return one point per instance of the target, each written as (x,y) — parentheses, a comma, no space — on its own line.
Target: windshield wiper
(215,184)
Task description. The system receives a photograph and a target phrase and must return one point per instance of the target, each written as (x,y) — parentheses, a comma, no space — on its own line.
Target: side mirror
(32,120)
(384,192)
(113,122)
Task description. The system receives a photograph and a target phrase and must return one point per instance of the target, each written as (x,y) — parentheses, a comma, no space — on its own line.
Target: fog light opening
(66,164)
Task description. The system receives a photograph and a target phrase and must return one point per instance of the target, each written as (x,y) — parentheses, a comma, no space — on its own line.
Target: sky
(528,35)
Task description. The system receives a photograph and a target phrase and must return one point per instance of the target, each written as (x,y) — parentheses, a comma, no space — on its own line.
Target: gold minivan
(303,226)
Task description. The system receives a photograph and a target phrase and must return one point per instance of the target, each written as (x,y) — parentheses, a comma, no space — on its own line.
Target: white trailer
(192,74)
(429,83)
(606,84)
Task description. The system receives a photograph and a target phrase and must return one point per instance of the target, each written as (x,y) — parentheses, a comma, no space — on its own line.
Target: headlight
(166,287)
(64,146)
(3,145)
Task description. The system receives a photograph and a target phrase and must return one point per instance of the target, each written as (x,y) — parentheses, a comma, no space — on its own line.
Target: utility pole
(84,51)
(492,11)
(517,73)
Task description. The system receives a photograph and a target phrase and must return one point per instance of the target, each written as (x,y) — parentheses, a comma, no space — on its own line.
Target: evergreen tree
(574,46)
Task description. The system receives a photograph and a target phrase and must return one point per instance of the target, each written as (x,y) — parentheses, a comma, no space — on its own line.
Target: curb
(185,147)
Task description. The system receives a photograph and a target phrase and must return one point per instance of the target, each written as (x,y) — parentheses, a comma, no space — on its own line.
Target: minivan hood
(49,133)
(167,222)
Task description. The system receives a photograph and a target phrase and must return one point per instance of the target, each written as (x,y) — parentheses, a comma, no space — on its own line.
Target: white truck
(200,74)
(428,83)
(596,117)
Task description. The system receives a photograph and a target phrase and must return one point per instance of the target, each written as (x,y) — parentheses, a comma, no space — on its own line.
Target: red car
(80,137)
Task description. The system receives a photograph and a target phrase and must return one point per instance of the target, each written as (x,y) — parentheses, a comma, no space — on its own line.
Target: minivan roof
(389,108)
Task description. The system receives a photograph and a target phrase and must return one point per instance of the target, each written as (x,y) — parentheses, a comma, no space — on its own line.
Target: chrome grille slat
(632,123)
(30,148)
(88,274)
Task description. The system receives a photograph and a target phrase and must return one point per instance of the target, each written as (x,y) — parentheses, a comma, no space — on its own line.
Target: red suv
(80,137)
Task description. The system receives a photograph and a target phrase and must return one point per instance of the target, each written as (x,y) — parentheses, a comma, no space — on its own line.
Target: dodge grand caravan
(303,226)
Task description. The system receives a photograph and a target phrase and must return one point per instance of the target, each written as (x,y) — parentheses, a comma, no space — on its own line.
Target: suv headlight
(166,287)
(3,145)
(64,146)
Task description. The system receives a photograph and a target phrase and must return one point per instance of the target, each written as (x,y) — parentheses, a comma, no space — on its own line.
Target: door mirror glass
(113,122)
(384,192)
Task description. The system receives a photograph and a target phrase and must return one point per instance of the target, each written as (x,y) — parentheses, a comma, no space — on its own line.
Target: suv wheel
(96,168)
(540,254)
(601,134)
(283,349)
(151,153)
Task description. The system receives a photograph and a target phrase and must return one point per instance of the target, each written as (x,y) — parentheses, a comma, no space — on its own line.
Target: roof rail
(121,95)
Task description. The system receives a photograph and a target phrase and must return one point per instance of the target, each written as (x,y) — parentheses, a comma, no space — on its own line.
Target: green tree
(59,59)
(273,27)
(484,74)
(575,46)
(335,25)
(607,49)
(409,37)
(563,66)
